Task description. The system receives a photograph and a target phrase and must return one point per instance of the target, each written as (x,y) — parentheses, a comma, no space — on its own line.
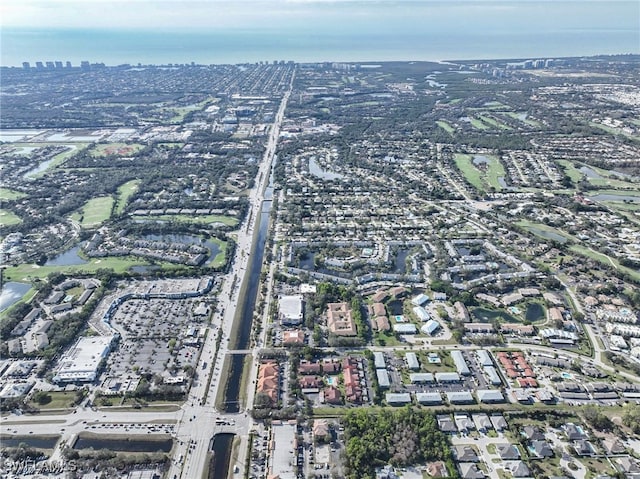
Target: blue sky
(325,14)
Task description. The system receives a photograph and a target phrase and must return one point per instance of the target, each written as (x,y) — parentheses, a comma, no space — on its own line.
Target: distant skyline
(219,31)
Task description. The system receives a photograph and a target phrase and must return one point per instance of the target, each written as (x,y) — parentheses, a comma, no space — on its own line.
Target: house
(465,454)
(269,380)
(330,367)
(612,445)
(310,382)
(332,395)
(446,424)
(470,471)
(437,469)
(293,338)
(508,452)
(309,367)
(541,448)
(498,422)
(463,423)
(573,432)
(628,465)
(433,398)
(519,469)
(532,433)
(583,448)
(378,309)
(490,396)
(462,397)
(321,431)
(398,399)
(482,422)
(382,323)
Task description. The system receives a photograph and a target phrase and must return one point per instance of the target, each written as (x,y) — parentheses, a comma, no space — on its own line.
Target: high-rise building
(50,65)
(26,65)
(39,66)
(58,64)
(68,64)
(85,65)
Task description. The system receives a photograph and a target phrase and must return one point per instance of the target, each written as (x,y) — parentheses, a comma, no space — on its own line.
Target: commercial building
(339,320)
(81,362)
(283,452)
(291,309)
(430,327)
(412,361)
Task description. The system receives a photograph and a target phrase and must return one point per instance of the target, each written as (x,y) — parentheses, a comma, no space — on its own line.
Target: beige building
(339,320)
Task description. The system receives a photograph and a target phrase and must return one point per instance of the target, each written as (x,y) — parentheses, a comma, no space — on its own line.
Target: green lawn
(59,400)
(94,212)
(615,131)
(124,193)
(8,218)
(527,121)
(119,264)
(479,124)
(570,169)
(8,195)
(494,123)
(481,180)
(445,126)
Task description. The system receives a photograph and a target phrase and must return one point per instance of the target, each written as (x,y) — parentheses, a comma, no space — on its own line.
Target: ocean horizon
(401,31)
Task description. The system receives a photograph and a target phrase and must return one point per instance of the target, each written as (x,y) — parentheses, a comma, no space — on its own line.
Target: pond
(480,160)
(535,312)
(316,170)
(588,172)
(38,169)
(487,315)
(401,261)
(395,308)
(11,293)
(543,233)
(67,258)
(124,444)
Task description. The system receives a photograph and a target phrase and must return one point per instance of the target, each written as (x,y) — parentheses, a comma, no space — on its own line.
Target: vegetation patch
(124,193)
(7,194)
(402,437)
(446,126)
(483,176)
(8,218)
(115,149)
(94,212)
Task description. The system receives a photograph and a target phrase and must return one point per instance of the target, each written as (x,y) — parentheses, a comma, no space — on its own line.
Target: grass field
(445,126)
(59,400)
(494,123)
(201,219)
(479,124)
(94,212)
(8,195)
(570,169)
(615,131)
(124,193)
(526,121)
(8,218)
(118,149)
(481,180)
(23,272)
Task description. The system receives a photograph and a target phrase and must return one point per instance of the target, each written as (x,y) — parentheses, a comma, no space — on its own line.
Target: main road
(200,421)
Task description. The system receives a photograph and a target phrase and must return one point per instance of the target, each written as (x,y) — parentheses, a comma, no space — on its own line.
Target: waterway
(38,442)
(241,341)
(126,444)
(543,233)
(606,197)
(220,462)
(11,293)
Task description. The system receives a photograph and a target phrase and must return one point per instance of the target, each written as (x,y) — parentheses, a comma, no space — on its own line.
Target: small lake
(401,261)
(395,308)
(588,172)
(68,258)
(127,444)
(316,170)
(535,312)
(487,315)
(547,234)
(11,293)
(38,169)
(480,160)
